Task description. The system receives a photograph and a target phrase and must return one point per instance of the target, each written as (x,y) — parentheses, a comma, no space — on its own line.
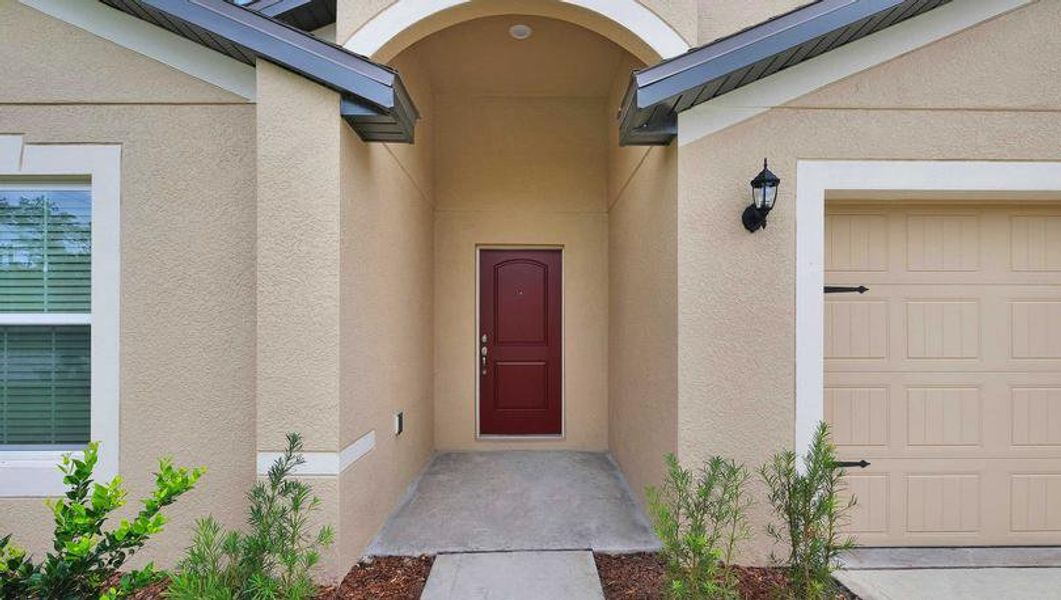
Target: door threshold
(515,438)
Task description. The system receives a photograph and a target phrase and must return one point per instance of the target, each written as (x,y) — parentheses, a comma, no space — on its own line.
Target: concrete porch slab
(514,576)
(517,500)
(966,584)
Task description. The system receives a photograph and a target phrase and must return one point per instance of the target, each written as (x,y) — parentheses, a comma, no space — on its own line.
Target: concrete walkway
(518,500)
(514,576)
(963,584)
(966,573)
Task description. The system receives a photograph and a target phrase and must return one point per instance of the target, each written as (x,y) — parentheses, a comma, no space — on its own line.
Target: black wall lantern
(764,194)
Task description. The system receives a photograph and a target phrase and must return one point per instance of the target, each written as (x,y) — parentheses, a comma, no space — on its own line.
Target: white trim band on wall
(930,179)
(629,14)
(324,464)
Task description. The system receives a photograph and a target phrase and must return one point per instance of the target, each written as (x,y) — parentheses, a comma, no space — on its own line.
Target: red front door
(519,342)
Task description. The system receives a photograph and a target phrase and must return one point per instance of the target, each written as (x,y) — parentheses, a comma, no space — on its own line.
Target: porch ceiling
(374,101)
(657,94)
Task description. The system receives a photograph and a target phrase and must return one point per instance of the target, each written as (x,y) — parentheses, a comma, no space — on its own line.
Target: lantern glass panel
(769,194)
(758,197)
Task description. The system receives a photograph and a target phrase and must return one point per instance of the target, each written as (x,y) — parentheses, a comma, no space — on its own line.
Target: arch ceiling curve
(626,22)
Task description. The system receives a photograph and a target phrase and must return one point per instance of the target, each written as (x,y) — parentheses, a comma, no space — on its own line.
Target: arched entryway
(627,22)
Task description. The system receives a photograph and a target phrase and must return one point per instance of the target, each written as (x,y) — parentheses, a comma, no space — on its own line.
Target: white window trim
(33,473)
(935,180)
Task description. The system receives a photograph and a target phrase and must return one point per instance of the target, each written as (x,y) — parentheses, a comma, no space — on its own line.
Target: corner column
(298,250)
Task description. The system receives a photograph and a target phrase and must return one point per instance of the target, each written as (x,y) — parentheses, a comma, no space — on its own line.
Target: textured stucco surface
(40,51)
(642,297)
(736,306)
(642,332)
(531,172)
(719,18)
(386,329)
(187,302)
(298,261)
(187,242)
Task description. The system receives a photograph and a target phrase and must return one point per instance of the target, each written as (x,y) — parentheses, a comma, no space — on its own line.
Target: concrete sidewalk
(959,584)
(514,576)
(1000,573)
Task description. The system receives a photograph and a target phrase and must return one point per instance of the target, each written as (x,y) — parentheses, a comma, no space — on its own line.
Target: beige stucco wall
(521,171)
(642,332)
(519,158)
(387,302)
(298,261)
(719,18)
(736,312)
(187,243)
(642,296)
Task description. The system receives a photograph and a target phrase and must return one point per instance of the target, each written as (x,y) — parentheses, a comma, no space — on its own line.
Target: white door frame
(880,180)
(563,340)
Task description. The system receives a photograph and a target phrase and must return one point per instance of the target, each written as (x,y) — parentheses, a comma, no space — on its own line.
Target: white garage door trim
(814,179)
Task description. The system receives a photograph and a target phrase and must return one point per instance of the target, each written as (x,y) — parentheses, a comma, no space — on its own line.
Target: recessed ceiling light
(520,31)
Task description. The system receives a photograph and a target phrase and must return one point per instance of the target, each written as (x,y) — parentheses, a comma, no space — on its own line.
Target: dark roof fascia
(246,35)
(307,15)
(657,94)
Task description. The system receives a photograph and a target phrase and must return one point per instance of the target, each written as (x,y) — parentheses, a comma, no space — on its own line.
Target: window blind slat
(45,384)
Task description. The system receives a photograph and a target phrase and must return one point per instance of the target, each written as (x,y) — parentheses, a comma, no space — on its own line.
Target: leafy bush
(85,557)
(809,504)
(701,518)
(274,559)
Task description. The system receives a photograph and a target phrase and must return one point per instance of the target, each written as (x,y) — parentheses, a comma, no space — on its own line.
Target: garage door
(946,375)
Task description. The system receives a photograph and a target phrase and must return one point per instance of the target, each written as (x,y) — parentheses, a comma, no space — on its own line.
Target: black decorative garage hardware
(839,289)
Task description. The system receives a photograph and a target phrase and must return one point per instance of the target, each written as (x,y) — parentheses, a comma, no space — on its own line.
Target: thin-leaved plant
(810,505)
(701,518)
(274,558)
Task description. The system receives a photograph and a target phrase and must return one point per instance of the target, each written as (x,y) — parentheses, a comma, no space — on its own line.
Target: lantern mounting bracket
(754,218)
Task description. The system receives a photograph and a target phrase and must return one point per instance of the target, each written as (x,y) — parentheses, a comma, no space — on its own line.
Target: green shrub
(701,518)
(84,556)
(809,505)
(273,559)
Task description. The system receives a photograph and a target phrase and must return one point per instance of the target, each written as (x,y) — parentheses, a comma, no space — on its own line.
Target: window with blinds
(45,315)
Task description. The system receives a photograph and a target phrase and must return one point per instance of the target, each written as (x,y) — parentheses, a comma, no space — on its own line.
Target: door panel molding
(546,415)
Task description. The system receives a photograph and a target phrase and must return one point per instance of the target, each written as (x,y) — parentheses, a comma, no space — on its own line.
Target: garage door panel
(1035,242)
(946,375)
(1036,414)
(943,242)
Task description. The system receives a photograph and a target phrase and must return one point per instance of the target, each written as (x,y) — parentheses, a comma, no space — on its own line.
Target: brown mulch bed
(642,577)
(387,578)
(383,578)
(155,591)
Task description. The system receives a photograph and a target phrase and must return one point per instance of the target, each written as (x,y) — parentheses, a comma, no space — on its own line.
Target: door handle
(483,352)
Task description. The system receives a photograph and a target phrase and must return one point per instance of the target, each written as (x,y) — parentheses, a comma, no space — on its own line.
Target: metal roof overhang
(374,101)
(304,14)
(657,94)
